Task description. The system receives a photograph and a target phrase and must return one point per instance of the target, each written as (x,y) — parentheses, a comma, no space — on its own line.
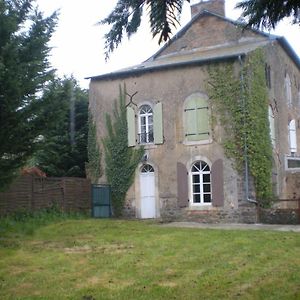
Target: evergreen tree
(266,14)
(63,147)
(24,68)
(126,17)
(164,16)
(93,165)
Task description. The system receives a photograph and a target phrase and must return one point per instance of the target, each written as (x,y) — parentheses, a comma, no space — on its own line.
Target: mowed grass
(115,259)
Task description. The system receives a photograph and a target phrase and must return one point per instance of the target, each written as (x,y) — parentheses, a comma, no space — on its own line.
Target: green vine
(241,100)
(93,166)
(121,161)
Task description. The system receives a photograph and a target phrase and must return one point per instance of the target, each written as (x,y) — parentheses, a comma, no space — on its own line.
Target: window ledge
(148,146)
(202,206)
(192,143)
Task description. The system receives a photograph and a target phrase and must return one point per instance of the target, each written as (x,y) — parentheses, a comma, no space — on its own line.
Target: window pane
(206,177)
(206,188)
(196,188)
(196,167)
(143,121)
(150,137)
(150,120)
(196,178)
(197,198)
(207,198)
(204,166)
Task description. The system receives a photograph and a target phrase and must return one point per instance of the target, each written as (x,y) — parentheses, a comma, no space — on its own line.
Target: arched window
(196,118)
(147,169)
(201,183)
(288,90)
(272,125)
(292,136)
(146,124)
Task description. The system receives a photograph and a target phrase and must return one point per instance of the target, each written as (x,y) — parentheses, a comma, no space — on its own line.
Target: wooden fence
(32,193)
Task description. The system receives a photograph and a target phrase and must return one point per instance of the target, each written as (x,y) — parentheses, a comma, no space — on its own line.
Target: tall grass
(26,222)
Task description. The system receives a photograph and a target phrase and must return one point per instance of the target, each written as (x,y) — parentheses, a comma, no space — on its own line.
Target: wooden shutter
(217,182)
(196,119)
(130,126)
(182,185)
(158,124)
(191,120)
(202,119)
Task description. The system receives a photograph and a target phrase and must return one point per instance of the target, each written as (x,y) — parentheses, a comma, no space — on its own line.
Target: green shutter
(131,126)
(190,120)
(202,119)
(196,119)
(191,125)
(158,124)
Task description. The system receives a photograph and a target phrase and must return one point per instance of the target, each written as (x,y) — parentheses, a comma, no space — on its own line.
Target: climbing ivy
(93,166)
(241,100)
(121,161)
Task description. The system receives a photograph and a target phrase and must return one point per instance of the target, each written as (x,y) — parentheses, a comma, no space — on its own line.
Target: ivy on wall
(93,166)
(121,161)
(241,100)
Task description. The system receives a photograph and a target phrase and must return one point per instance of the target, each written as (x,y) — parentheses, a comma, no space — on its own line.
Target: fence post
(298,210)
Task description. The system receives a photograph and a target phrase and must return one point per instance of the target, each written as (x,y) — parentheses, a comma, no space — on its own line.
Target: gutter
(243,101)
(142,69)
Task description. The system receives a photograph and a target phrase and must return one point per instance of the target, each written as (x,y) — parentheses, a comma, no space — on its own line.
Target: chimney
(214,6)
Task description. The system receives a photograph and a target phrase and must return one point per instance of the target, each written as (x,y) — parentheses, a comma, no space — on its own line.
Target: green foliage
(267,14)
(94,155)
(120,160)
(62,148)
(242,103)
(24,68)
(26,222)
(126,17)
(165,15)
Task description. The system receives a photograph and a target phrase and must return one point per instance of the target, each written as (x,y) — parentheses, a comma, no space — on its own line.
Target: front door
(147,187)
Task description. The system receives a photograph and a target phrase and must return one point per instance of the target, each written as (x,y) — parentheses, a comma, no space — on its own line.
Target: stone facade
(172,78)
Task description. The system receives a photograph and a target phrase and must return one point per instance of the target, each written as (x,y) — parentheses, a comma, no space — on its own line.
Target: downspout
(243,101)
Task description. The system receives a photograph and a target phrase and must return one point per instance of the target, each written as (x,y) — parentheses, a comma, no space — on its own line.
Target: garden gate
(101,204)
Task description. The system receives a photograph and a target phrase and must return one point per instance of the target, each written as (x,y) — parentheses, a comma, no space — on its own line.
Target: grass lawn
(111,259)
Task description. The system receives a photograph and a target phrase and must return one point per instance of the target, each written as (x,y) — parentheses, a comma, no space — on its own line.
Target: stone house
(185,172)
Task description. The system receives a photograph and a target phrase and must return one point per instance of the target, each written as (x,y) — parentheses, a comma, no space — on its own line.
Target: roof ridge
(196,17)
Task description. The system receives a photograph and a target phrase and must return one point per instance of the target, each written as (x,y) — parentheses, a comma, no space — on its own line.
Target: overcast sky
(78,43)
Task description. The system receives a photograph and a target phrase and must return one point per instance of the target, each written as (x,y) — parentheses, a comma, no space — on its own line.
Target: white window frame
(272,125)
(288,90)
(292,136)
(287,158)
(201,192)
(149,134)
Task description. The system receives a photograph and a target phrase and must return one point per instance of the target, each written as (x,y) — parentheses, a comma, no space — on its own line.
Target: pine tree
(63,147)
(24,68)
(266,14)
(164,16)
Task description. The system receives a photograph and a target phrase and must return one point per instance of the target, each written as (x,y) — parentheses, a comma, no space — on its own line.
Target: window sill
(148,146)
(192,143)
(201,206)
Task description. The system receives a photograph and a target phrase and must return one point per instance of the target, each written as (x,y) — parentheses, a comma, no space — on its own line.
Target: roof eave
(137,72)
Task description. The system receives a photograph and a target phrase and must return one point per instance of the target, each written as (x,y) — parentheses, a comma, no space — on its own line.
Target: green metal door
(101,204)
